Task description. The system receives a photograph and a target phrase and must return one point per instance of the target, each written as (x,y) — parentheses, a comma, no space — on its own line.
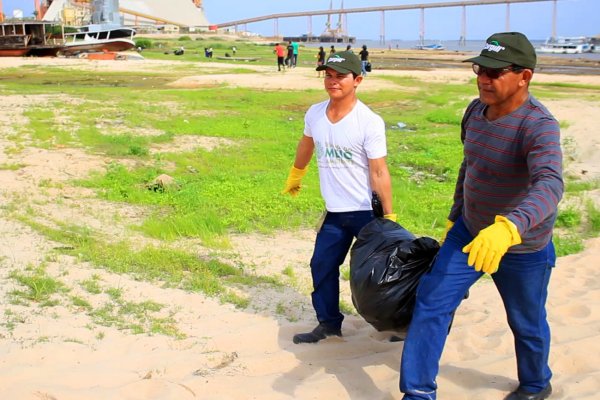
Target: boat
(436,46)
(595,41)
(30,38)
(246,59)
(14,45)
(566,45)
(104,34)
(98,38)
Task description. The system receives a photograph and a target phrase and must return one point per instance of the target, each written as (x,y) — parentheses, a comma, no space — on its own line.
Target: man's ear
(358,80)
(527,76)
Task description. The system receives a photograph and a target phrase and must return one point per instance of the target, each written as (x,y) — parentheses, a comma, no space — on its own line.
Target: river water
(451,45)
(590,64)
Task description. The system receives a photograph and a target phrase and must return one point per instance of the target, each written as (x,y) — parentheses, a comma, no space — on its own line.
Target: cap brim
(338,68)
(488,62)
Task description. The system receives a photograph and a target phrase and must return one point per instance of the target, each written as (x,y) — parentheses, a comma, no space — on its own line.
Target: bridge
(382,9)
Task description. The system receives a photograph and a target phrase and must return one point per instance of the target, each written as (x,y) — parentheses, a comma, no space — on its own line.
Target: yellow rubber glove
(294,181)
(490,245)
(449,225)
(391,217)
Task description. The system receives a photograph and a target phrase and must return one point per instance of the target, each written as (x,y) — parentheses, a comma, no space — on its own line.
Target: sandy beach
(230,354)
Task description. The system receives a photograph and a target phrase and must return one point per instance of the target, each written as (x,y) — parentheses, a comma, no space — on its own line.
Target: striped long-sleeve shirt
(512,166)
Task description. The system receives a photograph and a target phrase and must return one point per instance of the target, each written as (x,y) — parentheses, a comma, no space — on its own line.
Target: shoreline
(421,59)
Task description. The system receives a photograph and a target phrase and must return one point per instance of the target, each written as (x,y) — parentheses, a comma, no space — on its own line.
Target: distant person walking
(320,61)
(349,47)
(280,52)
(289,59)
(295,52)
(364,59)
(332,50)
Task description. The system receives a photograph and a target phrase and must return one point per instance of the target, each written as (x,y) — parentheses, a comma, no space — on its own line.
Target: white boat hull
(562,45)
(95,38)
(561,50)
(108,45)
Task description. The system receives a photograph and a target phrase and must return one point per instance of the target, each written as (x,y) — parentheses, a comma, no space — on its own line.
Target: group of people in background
(287,57)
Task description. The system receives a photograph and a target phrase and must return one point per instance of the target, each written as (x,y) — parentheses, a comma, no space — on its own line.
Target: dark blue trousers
(331,247)
(522,281)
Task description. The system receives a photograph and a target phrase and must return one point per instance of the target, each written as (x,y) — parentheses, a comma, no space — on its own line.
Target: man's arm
(304,152)
(381,182)
(457,205)
(544,161)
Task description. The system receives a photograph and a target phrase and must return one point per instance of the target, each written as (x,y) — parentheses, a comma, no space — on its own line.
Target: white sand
(57,353)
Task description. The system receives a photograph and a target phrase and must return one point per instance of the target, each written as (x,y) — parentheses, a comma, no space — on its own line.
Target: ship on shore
(567,45)
(30,38)
(98,38)
(105,33)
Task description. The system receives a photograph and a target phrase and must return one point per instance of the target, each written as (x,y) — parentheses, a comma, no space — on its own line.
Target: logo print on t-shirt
(333,154)
(320,150)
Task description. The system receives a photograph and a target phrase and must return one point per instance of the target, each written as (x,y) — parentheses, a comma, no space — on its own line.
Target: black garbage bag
(386,263)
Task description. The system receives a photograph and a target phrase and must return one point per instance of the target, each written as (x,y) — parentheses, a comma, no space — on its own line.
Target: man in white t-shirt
(350,146)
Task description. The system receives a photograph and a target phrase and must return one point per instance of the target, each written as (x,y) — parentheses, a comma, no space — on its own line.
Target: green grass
(91,285)
(593,218)
(568,218)
(577,186)
(563,85)
(38,286)
(194,51)
(80,302)
(138,317)
(174,268)
(235,187)
(11,320)
(347,308)
(345,272)
(11,166)
(568,244)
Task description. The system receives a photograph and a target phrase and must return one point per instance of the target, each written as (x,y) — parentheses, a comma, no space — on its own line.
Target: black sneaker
(521,394)
(319,333)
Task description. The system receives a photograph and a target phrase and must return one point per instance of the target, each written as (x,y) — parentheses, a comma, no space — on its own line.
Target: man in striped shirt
(501,221)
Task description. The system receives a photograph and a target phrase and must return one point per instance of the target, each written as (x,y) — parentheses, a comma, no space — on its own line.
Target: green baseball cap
(504,49)
(344,62)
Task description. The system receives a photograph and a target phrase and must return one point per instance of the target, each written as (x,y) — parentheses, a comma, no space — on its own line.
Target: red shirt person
(280,52)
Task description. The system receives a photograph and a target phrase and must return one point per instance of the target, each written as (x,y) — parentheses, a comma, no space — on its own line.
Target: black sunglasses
(495,73)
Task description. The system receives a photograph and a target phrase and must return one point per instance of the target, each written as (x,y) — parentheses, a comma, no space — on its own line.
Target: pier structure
(382,10)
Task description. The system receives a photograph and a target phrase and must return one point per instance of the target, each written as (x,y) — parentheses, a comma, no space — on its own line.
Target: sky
(574,18)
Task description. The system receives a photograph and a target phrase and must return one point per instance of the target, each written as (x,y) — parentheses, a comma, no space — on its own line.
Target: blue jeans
(522,281)
(331,247)
(363,67)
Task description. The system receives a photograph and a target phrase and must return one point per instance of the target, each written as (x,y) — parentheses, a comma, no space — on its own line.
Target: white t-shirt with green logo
(343,151)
